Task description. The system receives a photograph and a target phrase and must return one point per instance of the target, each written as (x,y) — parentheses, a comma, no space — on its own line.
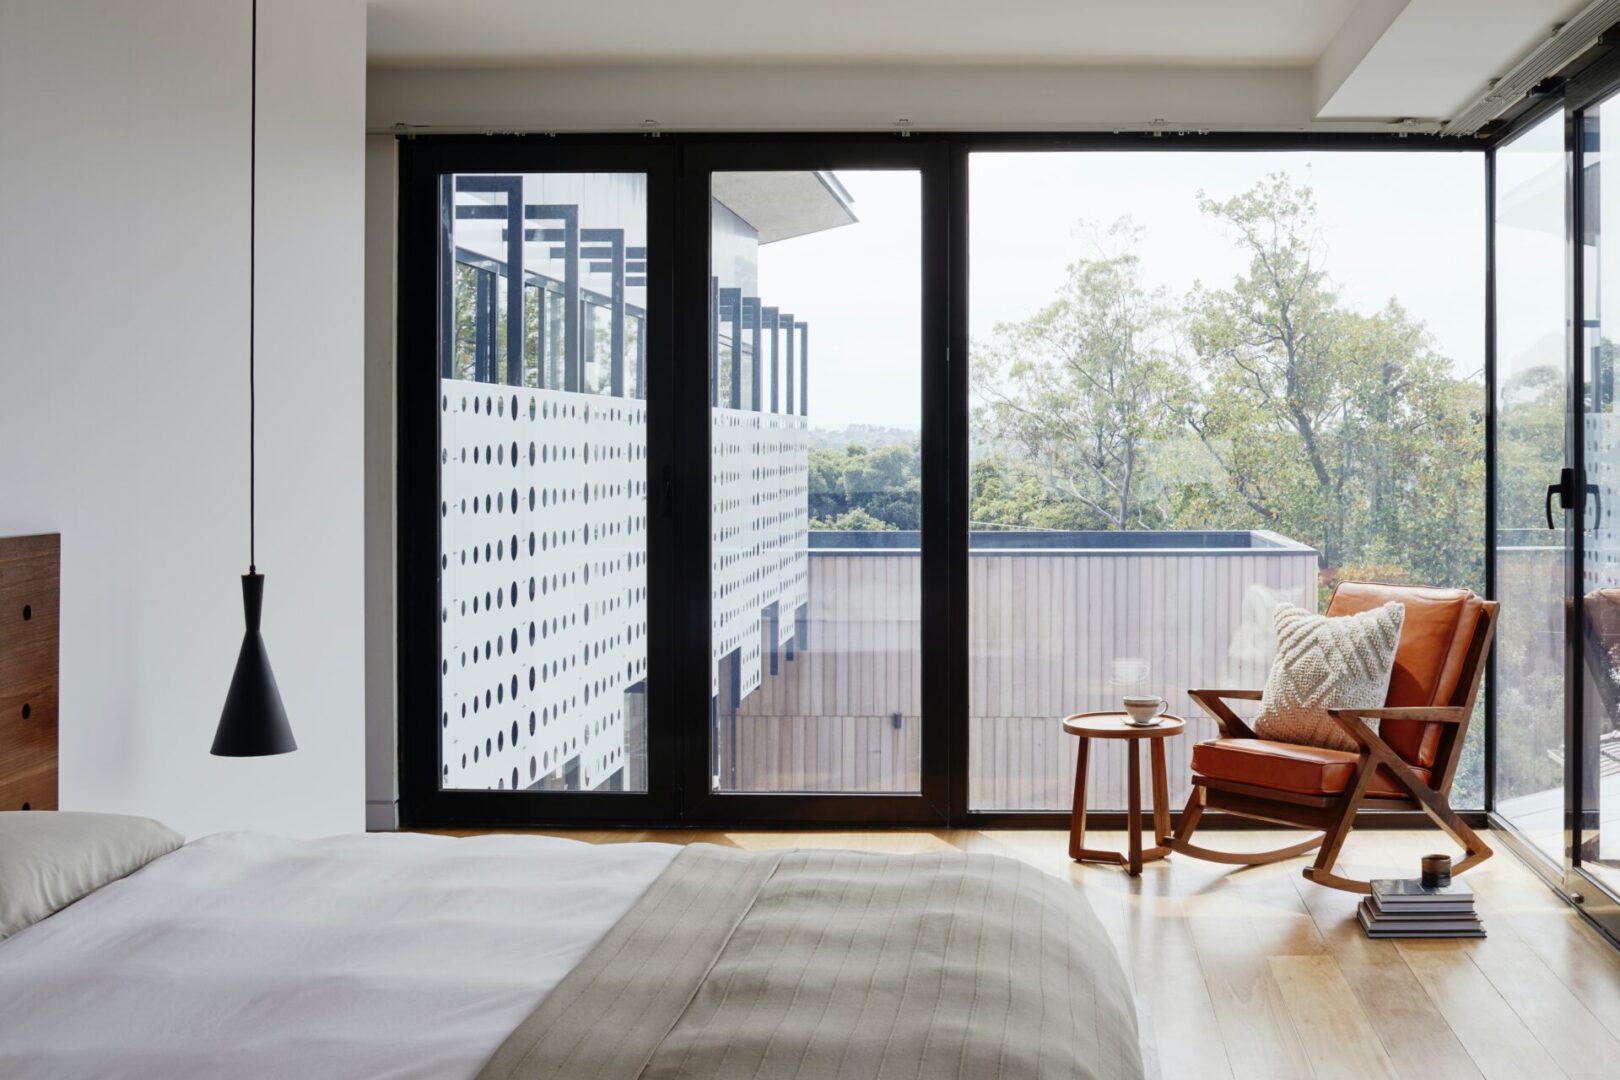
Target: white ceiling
(1201,32)
(1031,64)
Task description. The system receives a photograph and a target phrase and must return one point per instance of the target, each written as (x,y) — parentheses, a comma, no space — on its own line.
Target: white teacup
(1145,711)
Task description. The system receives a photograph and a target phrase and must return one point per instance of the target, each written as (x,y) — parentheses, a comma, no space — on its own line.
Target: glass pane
(816,500)
(1532,402)
(1203,384)
(543,475)
(1599,816)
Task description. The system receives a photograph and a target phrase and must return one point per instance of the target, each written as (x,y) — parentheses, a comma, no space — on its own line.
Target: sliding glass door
(1532,450)
(824,343)
(1595,785)
(537,426)
(1557,734)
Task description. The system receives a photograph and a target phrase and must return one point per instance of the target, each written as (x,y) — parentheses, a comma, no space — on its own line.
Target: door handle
(1597,496)
(1565,490)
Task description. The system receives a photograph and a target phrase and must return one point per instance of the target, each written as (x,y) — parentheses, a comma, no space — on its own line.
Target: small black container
(1436,871)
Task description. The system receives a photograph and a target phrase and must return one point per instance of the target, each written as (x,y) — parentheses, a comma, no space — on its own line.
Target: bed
(510,957)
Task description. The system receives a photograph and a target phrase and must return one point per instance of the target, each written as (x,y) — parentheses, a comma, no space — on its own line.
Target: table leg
(1161,793)
(1077,824)
(1133,823)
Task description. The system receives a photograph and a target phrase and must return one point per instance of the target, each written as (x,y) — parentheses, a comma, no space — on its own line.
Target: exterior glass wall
(1598,812)
(1532,406)
(816,383)
(1205,384)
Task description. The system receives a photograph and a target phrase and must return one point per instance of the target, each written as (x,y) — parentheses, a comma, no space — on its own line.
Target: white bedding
(250,957)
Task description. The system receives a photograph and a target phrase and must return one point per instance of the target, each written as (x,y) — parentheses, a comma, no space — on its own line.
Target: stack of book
(1408,909)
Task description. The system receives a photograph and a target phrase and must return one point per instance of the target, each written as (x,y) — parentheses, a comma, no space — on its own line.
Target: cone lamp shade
(253,722)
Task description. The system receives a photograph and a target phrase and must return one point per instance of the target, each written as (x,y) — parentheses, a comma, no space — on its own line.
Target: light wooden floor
(1259,974)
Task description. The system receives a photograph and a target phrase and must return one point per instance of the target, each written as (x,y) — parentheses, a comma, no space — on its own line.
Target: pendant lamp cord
(253,265)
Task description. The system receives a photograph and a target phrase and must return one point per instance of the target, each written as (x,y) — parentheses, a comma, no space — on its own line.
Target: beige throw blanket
(825,965)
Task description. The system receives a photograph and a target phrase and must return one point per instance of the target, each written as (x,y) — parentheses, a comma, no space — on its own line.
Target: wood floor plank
(1419,1042)
(1573,951)
(1233,951)
(1499,1042)
(1337,1035)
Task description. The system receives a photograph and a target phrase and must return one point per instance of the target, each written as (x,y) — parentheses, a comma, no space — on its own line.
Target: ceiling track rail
(1557,52)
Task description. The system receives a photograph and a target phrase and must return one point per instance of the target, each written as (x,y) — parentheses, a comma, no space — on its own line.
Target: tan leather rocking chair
(1409,748)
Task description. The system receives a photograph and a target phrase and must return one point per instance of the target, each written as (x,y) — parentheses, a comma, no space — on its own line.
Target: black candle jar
(1436,871)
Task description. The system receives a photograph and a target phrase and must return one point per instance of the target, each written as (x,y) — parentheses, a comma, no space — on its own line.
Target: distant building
(543,477)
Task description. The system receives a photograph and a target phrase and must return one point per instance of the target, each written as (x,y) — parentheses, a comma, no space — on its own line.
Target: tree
(882,483)
(1530,442)
(856,520)
(1008,493)
(1082,389)
(1345,430)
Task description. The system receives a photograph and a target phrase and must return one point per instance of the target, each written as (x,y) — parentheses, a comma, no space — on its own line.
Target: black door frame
(699,802)
(1598,900)
(1571,98)
(422,221)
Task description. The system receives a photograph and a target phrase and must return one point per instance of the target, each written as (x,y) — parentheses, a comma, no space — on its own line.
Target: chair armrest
(1231,724)
(1377,754)
(1235,695)
(1439,714)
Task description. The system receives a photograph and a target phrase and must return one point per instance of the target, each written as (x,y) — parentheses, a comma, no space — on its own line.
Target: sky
(1404,225)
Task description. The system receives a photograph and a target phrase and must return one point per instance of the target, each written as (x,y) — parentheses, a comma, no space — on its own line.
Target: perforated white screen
(544,525)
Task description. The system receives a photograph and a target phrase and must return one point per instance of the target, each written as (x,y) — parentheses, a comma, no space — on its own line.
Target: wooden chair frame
(1333,816)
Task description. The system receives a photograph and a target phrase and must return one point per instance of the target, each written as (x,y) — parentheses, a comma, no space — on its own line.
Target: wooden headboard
(30,577)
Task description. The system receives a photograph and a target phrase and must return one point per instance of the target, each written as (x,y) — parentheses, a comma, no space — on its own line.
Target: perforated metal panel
(544,525)
(760,532)
(544,540)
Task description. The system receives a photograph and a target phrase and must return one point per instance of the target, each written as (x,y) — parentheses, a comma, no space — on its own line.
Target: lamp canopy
(253,722)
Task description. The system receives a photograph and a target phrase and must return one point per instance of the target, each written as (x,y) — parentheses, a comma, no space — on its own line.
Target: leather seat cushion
(1303,770)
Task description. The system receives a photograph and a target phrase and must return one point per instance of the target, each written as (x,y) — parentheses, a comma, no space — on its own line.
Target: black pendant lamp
(254,722)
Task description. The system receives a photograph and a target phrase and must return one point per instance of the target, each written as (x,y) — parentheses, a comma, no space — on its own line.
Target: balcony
(1060,622)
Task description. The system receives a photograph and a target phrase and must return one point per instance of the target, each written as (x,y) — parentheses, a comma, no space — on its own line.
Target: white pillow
(1322,663)
(49,859)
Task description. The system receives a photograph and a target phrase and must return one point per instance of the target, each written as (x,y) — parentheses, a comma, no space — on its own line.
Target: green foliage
(857,520)
(1009,493)
(1530,444)
(1344,430)
(1084,388)
(1265,404)
(858,484)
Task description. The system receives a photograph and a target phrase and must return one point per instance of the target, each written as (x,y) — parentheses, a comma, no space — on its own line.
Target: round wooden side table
(1115,725)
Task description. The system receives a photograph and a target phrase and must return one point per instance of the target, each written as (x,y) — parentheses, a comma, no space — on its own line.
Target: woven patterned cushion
(1325,663)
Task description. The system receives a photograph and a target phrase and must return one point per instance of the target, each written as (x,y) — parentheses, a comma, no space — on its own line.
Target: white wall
(123,321)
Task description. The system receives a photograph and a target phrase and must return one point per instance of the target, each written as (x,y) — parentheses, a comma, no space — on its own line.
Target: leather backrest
(1429,661)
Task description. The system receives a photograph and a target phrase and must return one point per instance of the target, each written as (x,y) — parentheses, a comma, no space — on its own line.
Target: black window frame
(1590,83)
(423,224)
(700,804)
(677,323)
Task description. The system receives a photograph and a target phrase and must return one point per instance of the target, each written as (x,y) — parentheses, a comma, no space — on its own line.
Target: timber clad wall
(1052,632)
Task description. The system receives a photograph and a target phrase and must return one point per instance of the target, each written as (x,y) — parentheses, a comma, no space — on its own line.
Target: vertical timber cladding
(544,540)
